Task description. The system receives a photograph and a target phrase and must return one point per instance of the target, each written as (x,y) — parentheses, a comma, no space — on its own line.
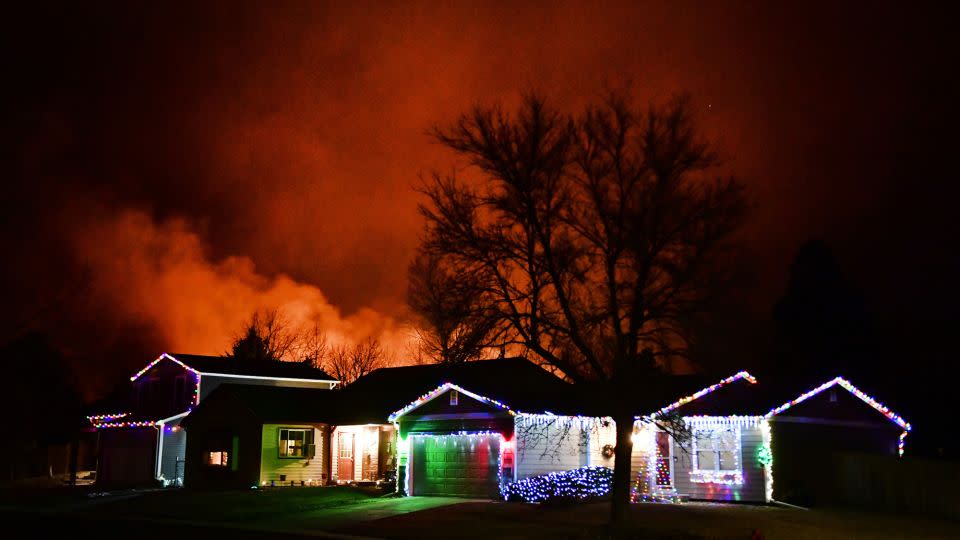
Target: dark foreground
(346,513)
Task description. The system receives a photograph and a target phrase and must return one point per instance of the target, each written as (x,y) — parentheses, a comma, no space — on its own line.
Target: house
(457,441)
(140,441)
(470,429)
(763,439)
(246,435)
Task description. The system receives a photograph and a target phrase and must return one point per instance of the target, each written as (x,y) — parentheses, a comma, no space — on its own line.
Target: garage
(456,465)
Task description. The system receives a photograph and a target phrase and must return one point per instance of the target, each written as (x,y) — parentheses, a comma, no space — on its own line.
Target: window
(454,397)
(716,455)
(218,458)
(296,443)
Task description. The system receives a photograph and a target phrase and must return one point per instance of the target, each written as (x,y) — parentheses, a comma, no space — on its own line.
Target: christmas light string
(845,384)
(697,395)
(440,390)
(157,361)
(106,417)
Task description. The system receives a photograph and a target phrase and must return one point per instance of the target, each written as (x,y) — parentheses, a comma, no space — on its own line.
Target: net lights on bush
(577,484)
(845,384)
(683,401)
(440,390)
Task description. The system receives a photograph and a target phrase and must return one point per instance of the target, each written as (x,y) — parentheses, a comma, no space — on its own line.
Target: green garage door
(457,465)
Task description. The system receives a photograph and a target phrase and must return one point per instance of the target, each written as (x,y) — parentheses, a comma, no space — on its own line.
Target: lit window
(454,396)
(296,443)
(716,456)
(218,459)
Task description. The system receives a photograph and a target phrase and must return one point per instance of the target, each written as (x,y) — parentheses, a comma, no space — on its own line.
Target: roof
(273,404)
(227,366)
(515,382)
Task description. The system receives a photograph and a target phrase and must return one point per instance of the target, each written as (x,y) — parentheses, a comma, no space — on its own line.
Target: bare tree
(267,336)
(454,326)
(595,238)
(312,346)
(348,364)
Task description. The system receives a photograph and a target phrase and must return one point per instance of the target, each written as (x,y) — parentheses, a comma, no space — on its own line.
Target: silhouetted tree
(349,363)
(821,321)
(594,238)
(43,399)
(454,326)
(268,336)
(312,346)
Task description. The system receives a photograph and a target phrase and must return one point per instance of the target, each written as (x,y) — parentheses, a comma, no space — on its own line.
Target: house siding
(542,449)
(209,383)
(294,469)
(174,453)
(753,488)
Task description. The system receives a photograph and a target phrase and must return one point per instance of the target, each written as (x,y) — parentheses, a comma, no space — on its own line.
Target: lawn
(237,507)
(681,521)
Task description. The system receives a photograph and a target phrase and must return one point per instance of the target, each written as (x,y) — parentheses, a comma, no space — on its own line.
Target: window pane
(705,440)
(727,441)
(727,461)
(706,461)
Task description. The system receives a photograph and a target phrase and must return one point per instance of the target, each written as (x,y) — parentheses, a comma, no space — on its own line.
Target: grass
(684,521)
(238,506)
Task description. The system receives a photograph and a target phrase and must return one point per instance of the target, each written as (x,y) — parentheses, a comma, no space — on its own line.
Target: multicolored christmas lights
(440,390)
(155,362)
(102,418)
(765,458)
(136,423)
(845,384)
(697,395)
(732,476)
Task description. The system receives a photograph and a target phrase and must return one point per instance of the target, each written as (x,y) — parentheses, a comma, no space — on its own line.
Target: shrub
(575,485)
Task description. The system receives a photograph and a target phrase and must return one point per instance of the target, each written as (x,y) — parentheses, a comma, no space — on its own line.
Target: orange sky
(190,163)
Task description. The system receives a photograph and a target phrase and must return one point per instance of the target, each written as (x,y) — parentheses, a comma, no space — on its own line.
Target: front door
(664,463)
(345,456)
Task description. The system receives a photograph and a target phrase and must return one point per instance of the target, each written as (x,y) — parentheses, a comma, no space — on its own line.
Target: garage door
(456,465)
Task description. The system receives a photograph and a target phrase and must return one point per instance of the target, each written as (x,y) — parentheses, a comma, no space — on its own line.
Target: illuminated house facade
(472,429)
(742,435)
(142,441)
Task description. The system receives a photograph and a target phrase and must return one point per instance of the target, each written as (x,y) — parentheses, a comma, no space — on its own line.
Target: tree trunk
(74,457)
(620,495)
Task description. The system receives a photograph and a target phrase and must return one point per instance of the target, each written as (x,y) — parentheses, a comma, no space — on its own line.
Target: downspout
(159,454)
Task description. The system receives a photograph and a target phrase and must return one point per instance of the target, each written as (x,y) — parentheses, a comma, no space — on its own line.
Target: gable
(439,402)
(812,401)
(159,367)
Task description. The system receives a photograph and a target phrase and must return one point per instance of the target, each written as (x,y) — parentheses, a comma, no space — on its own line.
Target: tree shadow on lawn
(673,521)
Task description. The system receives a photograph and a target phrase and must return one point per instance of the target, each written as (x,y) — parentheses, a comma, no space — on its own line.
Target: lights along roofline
(704,391)
(213,374)
(424,399)
(237,376)
(846,385)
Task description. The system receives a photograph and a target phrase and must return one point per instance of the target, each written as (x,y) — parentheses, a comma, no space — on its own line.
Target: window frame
(283,449)
(224,456)
(716,474)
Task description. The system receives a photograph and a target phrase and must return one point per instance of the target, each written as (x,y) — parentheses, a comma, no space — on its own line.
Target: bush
(582,484)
